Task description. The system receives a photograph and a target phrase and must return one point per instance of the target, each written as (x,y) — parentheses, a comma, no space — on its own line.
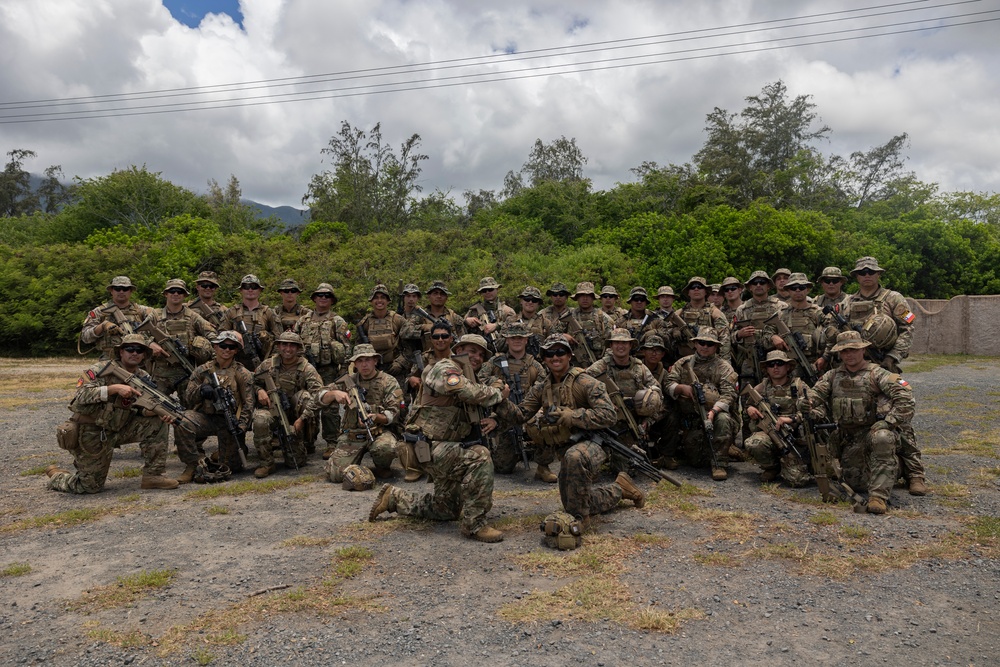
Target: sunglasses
(249,286)
(322,296)
(288,291)
(704,344)
(548,354)
(121,289)
(134,349)
(176,290)
(696,286)
(731,288)
(609,296)
(566,294)
(775,364)
(441,336)
(640,300)
(208,286)
(797,288)
(865,272)
(530,299)
(757,281)
(829,281)
(229,346)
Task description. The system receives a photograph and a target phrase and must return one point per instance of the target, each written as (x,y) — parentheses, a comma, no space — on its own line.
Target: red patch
(91,374)
(902,383)
(80,382)
(92,315)
(909,318)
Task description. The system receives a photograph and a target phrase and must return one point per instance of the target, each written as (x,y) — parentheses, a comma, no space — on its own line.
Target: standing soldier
(553,314)
(205,304)
(447,443)
(106,418)
(224,411)
(411,300)
(779,279)
(870,406)
(486,317)
(640,321)
(665,297)
(325,338)
(715,295)
(832,282)
(752,339)
(255,322)
(531,301)
(805,319)
(105,325)
(290,311)
(186,327)
(295,381)
(732,297)
(382,327)
(609,303)
(590,326)
(419,329)
(380,397)
(698,313)
(559,410)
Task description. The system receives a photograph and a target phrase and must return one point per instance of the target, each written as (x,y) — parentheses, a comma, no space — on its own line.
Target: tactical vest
(690,376)
(852,402)
(211,313)
(555,435)
(528,372)
(439,416)
(782,398)
(383,337)
(368,390)
(106,344)
(805,322)
(287,319)
(861,310)
(756,313)
(320,339)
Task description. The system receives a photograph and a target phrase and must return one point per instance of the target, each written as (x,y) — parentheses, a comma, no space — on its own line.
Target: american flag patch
(909,317)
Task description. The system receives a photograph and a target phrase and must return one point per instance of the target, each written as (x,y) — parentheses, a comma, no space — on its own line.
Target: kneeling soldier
(786,397)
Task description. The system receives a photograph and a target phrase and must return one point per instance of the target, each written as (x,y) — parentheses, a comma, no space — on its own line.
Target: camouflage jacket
(417,328)
(595,326)
(786,400)
(236,378)
(107,341)
(442,410)
(585,395)
(895,306)
(191,329)
(110,412)
(705,316)
(629,379)
(384,335)
(325,338)
(654,326)
(823,300)
(859,399)
(292,380)
(288,319)
(808,322)
(381,393)
(260,321)
(213,313)
(527,369)
(714,373)
(755,312)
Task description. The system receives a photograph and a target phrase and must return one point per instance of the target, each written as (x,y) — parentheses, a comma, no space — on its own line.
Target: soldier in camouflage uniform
(301,384)
(663,425)
(718,380)
(641,322)
(439,425)
(101,327)
(238,380)
(185,326)
(258,319)
(609,303)
(589,326)
(559,410)
(382,327)
(752,338)
(804,318)
(732,296)
(715,295)
(381,395)
(411,300)
(419,329)
(507,367)
(870,406)
(106,419)
(290,311)
(697,314)
(326,339)
(554,315)
(531,301)
(486,317)
(780,279)
(832,280)
(787,397)
(665,297)
(205,304)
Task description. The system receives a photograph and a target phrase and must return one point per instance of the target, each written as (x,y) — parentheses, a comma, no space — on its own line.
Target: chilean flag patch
(909,317)
(902,383)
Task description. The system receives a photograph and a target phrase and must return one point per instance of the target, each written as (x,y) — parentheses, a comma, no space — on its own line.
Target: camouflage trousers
(579,468)
(910,464)
(170,379)
(505,453)
(92,457)
(868,459)
(463,487)
(264,440)
(329,416)
(189,445)
(350,450)
(692,447)
(794,471)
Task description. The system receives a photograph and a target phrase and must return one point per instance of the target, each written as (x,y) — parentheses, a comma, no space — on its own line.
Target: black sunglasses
(609,296)
(249,286)
(229,346)
(775,364)
(829,281)
(443,336)
(639,300)
(731,288)
(121,289)
(757,281)
(548,354)
(323,295)
(208,286)
(288,291)
(796,288)
(696,286)
(530,299)
(560,294)
(176,290)
(865,272)
(134,349)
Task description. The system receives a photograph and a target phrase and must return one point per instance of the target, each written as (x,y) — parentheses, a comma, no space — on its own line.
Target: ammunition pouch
(850,412)
(543,433)
(68,435)
(446,422)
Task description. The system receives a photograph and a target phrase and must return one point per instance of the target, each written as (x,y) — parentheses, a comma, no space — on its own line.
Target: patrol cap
(760,274)
(622,335)
(438,285)
(665,290)
(556,289)
(798,279)
(530,293)
(780,272)
(251,279)
(707,335)
(411,288)
(637,294)
(850,340)
(290,337)
(584,287)
(133,339)
(472,339)
(176,283)
(554,340)
(208,277)
(487,284)
(233,336)
(609,290)
(289,285)
(516,329)
(832,272)
(364,350)
(694,282)
(121,281)
(778,355)
(653,341)
(867,263)
(324,288)
(380,289)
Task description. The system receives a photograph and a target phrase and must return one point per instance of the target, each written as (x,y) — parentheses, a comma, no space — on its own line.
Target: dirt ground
(287,569)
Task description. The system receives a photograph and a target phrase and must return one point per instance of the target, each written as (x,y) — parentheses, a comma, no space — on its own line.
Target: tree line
(759,194)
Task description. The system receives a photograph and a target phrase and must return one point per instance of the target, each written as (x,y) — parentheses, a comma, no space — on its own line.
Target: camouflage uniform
(869,406)
(807,321)
(106,423)
(705,316)
(614,311)
(653,324)
(260,321)
(194,332)
(555,320)
(301,383)
(755,312)
(630,380)
(463,475)
(384,335)
(490,311)
(831,273)
(326,339)
(590,329)
(787,400)
(289,318)
(212,312)
(418,329)
(107,341)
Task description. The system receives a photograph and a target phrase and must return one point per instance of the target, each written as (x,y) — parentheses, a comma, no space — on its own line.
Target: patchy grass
(716,559)
(349,562)
(951,494)
(15,570)
(124,591)
(216,510)
(305,541)
(519,522)
(249,486)
(985,476)
(19,390)
(854,534)
(129,639)
(126,473)
(921,363)
(986,528)
(58,520)
(824,518)
(667,496)
(203,656)
(37,470)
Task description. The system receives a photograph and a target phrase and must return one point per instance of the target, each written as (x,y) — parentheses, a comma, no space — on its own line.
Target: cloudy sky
(480,81)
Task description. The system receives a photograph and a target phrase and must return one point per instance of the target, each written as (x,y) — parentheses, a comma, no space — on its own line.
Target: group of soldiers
(806,387)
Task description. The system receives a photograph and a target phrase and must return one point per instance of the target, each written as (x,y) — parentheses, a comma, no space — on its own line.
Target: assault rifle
(151,397)
(516,396)
(475,412)
(843,324)
(176,350)
(491,317)
(123,323)
(252,345)
(225,404)
(280,407)
(400,302)
(797,344)
(534,346)
(616,397)
(689,328)
(650,315)
(637,460)
(356,393)
(824,467)
(781,436)
(362,334)
(707,427)
(576,330)
(757,354)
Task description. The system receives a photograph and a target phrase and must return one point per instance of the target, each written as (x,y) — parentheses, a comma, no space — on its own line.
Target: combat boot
(158,482)
(917,486)
(769,475)
(385,502)
(876,506)
(542,473)
(54,470)
(736,454)
(487,534)
(720,474)
(409,462)
(668,463)
(328,452)
(188,474)
(263,471)
(630,490)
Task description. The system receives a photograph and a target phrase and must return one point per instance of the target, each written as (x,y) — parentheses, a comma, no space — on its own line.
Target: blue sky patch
(191,12)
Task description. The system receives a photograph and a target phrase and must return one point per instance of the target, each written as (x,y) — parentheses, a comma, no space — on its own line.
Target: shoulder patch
(90,374)
(453,379)
(80,382)
(92,315)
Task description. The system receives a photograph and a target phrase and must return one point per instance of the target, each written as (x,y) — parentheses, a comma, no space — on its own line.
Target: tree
(561,160)
(53,194)
(874,175)
(370,186)
(231,214)
(16,197)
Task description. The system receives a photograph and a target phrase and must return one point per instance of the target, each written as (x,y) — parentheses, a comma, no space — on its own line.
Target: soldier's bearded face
(121,297)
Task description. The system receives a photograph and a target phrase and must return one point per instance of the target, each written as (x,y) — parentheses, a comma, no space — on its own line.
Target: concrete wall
(960,325)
